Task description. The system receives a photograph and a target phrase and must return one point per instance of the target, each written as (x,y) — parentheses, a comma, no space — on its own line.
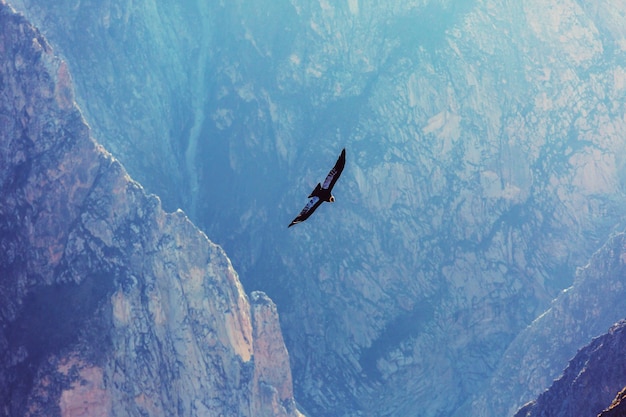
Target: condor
(322,192)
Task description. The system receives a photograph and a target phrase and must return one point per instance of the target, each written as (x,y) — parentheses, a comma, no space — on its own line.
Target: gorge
(485,177)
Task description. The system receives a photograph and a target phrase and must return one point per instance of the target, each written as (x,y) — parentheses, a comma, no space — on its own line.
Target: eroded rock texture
(590,383)
(617,407)
(272,379)
(578,314)
(108,305)
(485,140)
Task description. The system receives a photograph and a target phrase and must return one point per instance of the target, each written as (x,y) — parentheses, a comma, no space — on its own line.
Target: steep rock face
(146,87)
(577,315)
(485,163)
(108,305)
(589,383)
(617,407)
(272,379)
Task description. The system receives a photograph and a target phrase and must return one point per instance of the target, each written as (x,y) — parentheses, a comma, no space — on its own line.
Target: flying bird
(322,192)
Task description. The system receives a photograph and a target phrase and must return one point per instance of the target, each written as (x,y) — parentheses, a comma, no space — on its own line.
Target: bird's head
(332,199)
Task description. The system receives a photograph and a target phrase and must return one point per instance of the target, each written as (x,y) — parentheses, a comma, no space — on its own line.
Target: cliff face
(272,378)
(589,383)
(485,163)
(577,315)
(109,305)
(617,407)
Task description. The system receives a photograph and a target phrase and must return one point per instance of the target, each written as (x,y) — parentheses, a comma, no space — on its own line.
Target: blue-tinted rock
(109,305)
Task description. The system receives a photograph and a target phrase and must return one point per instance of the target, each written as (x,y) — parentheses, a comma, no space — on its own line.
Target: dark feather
(311,206)
(321,192)
(335,173)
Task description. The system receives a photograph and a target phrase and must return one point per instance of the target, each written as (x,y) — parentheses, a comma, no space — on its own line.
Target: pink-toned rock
(272,374)
(110,306)
(86,397)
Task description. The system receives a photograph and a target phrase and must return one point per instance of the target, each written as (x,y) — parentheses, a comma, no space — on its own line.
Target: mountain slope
(591,304)
(109,305)
(589,383)
(485,144)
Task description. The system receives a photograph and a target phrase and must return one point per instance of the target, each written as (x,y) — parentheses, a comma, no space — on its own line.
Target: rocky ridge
(589,383)
(485,144)
(578,314)
(108,304)
(617,407)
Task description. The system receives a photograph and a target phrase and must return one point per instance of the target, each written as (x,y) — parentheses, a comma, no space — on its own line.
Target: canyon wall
(108,304)
(591,385)
(485,163)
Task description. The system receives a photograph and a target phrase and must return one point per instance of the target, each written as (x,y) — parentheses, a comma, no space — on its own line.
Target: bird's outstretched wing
(311,206)
(334,173)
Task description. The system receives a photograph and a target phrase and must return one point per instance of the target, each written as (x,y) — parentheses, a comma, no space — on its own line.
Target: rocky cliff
(109,305)
(617,407)
(589,383)
(485,144)
(577,315)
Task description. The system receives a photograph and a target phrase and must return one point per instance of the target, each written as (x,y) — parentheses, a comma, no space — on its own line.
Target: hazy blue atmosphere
(485,165)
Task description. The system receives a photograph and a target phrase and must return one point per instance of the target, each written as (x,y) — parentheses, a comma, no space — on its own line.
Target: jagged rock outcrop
(485,148)
(577,315)
(272,377)
(617,407)
(108,305)
(590,381)
(153,111)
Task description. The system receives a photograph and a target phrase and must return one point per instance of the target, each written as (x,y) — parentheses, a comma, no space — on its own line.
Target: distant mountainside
(590,383)
(485,149)
(583,311)
(108,305)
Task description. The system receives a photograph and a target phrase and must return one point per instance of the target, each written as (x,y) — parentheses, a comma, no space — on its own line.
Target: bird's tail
(316,191)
